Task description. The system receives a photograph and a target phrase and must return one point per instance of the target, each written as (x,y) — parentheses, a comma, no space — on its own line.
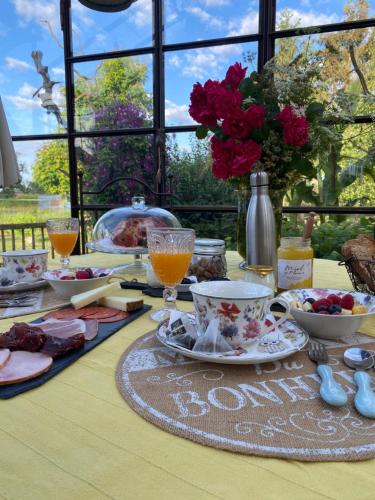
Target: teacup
(241,308)
(27,265)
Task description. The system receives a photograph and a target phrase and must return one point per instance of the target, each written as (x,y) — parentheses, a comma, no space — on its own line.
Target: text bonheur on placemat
(272,409)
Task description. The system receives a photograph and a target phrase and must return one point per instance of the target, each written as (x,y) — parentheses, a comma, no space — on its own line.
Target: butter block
(127,304)
(83,299)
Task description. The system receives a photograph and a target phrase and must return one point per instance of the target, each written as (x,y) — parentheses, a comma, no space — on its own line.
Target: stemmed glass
(63,234)
(170,253)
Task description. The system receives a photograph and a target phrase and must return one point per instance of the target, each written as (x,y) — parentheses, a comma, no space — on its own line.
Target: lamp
(107,5)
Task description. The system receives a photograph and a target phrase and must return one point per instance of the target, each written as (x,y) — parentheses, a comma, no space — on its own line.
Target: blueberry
(334,308)
(310,299)
(323,308)
(101,275)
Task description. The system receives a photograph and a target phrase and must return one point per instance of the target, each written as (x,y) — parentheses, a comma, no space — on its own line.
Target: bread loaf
(362,249)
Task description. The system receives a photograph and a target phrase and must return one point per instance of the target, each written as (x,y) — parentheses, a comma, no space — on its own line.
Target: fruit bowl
(68,282)
(326,325)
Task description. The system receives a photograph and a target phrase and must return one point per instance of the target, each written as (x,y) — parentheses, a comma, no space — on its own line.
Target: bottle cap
(259,179)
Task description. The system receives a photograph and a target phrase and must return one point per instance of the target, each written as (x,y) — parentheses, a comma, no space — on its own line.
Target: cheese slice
(122,303)
(85,298)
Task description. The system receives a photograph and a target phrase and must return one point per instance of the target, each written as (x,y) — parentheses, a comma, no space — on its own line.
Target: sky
(30,25)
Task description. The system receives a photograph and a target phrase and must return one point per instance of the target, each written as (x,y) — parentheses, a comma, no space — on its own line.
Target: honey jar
(294,263)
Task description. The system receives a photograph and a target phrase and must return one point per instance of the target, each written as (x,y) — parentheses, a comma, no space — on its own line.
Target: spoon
(360,360)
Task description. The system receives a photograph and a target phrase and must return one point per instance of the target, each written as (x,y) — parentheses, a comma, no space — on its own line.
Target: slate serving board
(105,330)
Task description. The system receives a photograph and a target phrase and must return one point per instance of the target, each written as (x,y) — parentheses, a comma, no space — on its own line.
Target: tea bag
(212,341)
(181,330)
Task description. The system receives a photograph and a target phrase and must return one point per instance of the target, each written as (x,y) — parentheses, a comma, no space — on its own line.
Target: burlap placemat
(272,409)
(45,299)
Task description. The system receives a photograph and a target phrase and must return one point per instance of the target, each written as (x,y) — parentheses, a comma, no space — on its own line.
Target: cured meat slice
(23,337)
(117,317)
(91,329)
(61,328)
(55,346)
(23,366)
(98,312)
(4,357)
(63,314)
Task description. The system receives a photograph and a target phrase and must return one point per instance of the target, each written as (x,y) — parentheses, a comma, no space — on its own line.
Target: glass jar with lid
(208,261)
(294,263)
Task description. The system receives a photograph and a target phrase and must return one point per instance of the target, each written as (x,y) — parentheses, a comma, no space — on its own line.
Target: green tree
(51,170)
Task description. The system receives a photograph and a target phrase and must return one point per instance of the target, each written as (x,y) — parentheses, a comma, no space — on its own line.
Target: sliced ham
(91,329)
(4,357)
(62,329)
(23,365)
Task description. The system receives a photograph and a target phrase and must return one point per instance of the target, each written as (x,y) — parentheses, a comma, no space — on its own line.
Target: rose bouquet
(254,128)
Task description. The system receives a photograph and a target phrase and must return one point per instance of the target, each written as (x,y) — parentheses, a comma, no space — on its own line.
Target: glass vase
(243,198)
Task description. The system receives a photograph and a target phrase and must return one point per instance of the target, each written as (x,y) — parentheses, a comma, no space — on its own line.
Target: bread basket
(361,273)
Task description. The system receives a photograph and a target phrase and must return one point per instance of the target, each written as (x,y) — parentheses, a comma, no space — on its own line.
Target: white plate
(23,286)
(255,353)
(106,246)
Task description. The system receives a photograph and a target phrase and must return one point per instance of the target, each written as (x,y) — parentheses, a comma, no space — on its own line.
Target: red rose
(220,169)
(222,150)
(225,100)
(200,109)
(247,154)
(236,125)
(255,115)
(234,75)
(286,115)
(296,133)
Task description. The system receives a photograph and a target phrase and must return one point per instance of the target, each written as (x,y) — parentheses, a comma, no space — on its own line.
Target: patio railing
(24,236)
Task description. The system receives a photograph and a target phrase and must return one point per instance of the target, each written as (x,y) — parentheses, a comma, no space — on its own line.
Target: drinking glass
(63,235)
(170,253)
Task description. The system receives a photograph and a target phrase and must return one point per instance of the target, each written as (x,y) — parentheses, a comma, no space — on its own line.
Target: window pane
(95,32)
(44,189)
(103,159)
(186,67)
(204,19)
(34,102)
(293,13)
(344,62)
(330,233)
(114,93)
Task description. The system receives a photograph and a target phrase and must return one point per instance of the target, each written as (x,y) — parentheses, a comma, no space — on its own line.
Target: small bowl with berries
(329,313)
(68,282)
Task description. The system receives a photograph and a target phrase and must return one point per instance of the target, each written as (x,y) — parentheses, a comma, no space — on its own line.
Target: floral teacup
(240,307)
(27,265)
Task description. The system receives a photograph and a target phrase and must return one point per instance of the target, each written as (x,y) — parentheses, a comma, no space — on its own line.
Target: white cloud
(200,64)
(23,102)
(26,90)
(141,13)
(216,3)
(176,114)
(81,13)
(17,64)
(226,51)
(100,37)
(174,61)
(205,17)
(58,71)
(310,18)
(35,10)
(245,25)
(172,17)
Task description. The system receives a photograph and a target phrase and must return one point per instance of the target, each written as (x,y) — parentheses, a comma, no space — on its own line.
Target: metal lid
(208,242)
(209,246)
(262,271)
(259,179)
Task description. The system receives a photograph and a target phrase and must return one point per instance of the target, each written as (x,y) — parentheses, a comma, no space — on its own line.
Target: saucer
(24,286)
(270,347)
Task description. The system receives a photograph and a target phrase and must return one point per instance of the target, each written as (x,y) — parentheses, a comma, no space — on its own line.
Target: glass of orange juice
(63,234)
(170,252)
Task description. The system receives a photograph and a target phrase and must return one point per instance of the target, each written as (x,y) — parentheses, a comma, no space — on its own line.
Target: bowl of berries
(329,313)
(68,282)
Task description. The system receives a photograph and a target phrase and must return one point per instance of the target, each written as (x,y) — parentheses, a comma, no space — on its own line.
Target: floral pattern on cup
(26,265)
(241,319)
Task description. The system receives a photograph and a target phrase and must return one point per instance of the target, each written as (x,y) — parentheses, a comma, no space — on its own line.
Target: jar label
(294,273)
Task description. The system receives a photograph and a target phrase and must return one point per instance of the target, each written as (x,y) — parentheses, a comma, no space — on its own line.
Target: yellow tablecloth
(75,437)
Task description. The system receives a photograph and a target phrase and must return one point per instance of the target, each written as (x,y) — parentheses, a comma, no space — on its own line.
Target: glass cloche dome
(123,230)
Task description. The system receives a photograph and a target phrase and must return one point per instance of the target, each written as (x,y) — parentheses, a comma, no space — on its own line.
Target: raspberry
(335,299)
(67,278)
(347,302)
(82,275)
(321,302)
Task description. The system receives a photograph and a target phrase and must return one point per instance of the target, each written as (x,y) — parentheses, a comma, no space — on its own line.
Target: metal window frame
(265,38)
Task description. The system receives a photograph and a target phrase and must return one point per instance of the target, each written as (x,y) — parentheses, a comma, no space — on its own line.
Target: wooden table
(75,437)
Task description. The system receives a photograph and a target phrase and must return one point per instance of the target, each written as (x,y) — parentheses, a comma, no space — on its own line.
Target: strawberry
(347,302)
(335,299)
(67,278)
(82,275)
